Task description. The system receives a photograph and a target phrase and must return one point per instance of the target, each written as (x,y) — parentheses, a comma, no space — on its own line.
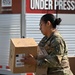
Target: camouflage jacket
(56,49)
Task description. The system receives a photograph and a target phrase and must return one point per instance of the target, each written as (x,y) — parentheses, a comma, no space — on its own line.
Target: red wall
(15,9)
(72,64)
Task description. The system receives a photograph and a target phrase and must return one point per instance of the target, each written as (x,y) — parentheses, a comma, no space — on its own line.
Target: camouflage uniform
(56,60)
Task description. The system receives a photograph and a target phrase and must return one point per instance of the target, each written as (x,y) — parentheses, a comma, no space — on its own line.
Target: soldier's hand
(30,60)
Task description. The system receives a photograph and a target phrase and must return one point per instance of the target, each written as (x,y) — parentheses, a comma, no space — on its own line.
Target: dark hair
(50,17)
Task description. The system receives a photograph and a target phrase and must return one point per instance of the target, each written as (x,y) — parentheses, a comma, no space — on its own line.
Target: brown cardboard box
(20,47)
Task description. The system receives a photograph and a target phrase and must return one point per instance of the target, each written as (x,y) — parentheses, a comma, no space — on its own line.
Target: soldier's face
(43,27)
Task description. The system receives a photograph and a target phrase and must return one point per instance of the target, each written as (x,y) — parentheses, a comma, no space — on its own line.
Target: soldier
(53,44)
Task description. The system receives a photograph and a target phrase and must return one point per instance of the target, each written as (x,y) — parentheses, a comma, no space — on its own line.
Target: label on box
(18,59)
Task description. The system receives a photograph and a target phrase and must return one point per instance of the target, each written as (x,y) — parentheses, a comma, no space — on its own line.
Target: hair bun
(57,21)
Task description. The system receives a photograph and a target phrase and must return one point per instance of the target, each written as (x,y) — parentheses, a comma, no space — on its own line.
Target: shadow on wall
(72,64)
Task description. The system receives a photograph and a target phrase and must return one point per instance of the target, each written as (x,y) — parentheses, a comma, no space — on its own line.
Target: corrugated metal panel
(67,29)
(32,26)
(9,28)
(68,19)
(68,33)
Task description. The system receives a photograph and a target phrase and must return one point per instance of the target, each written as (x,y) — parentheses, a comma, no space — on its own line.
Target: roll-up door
(9,28)
(67,29)
(32,26)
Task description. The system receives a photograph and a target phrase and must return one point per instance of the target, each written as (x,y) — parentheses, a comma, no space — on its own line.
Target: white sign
(51,4)
(6,3)
(18,60)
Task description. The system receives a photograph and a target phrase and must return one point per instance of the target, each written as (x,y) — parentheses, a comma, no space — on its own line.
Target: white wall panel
(9,28)
(67,19)
(32,26)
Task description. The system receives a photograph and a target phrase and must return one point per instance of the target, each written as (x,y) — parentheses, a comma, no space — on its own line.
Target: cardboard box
(20,47)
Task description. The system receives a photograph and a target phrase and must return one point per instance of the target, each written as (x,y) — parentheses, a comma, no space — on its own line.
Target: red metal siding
(14,9)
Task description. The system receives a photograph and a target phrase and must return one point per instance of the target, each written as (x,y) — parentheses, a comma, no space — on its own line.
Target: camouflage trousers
(63,72)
